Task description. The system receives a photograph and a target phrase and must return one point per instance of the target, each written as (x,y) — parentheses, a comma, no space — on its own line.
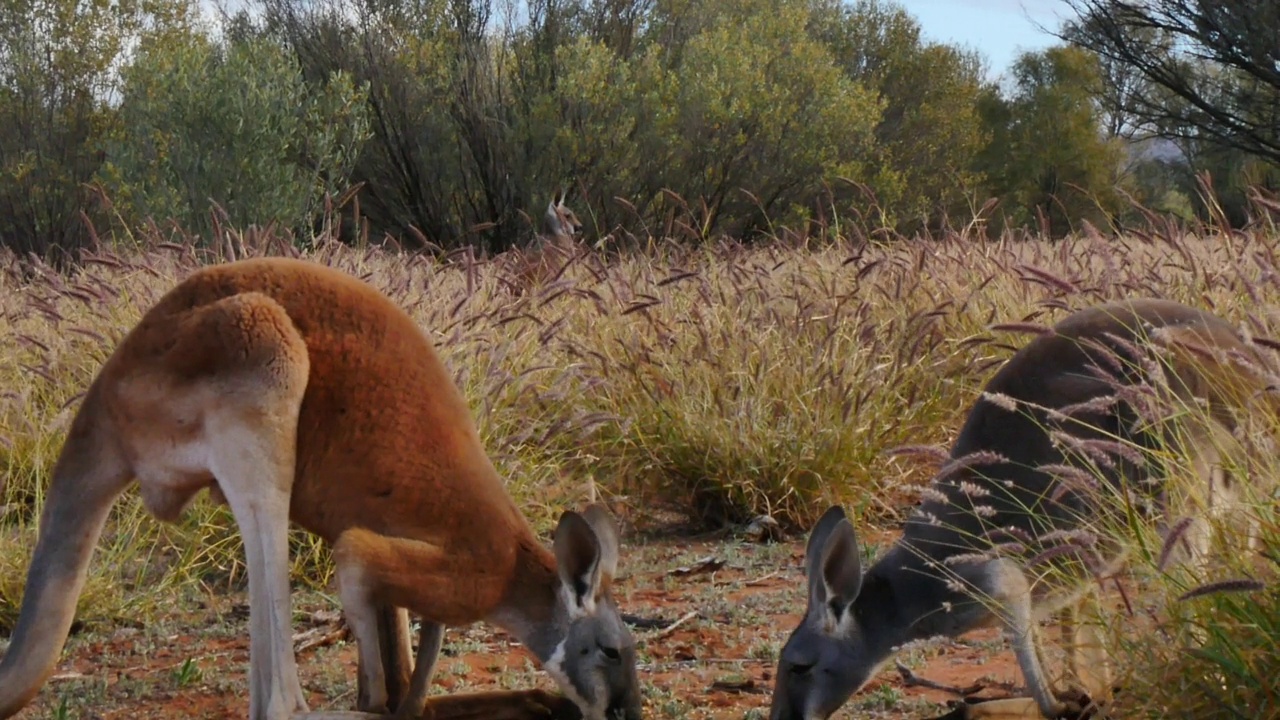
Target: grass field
(693,389)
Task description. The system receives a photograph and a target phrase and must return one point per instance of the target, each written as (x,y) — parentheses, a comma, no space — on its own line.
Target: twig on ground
(176,664)
(644,623)
(317,637)
(910,679)
(761,580)
(668,629)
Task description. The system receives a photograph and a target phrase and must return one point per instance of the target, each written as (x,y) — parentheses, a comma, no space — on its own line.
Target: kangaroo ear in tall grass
(559,223)
(1020,484)
(553,249)
(295,392)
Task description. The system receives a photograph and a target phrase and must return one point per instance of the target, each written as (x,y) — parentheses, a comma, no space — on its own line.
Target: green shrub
(58,64)
(232,123)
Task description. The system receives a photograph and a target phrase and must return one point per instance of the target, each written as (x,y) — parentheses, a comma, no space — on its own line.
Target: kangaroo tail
(89,475)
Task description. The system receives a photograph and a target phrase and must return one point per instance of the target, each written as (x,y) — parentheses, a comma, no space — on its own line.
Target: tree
(58,61)
(1204,68)
(1047,156)
(413,167)
(929,131)
(770,110)
(1119,83)
(232,123)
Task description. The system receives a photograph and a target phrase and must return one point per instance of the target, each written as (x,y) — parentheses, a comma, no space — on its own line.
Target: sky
(998,29)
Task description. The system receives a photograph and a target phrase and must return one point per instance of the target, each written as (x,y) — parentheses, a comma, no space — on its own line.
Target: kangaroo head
(594,662)
(559,222)
(838,645)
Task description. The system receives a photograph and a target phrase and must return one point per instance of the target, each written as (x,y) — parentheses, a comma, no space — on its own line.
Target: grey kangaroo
(945,576)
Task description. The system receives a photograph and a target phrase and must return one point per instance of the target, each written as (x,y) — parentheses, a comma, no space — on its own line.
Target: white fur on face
(555,668)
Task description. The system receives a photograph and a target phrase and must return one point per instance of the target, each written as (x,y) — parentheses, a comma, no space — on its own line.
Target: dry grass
(719,383)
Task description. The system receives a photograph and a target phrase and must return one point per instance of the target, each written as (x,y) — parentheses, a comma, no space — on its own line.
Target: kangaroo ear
(818,538)
(841,565)
(578,559)
(605,527)
(832,555)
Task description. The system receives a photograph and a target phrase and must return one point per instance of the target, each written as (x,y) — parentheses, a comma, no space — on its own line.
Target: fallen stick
(638,621)
(762,579)
(318,638)
(910,679)
(668,629)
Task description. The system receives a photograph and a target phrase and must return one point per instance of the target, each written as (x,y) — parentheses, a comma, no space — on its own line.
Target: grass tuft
(720,383)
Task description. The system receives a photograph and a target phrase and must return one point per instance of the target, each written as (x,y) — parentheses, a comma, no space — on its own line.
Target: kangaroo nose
(625,708)
(780,711)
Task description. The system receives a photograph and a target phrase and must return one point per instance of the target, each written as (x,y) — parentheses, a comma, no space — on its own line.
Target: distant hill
(1154,148)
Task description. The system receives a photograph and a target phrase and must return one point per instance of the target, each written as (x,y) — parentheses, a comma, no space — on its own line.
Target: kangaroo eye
(800,669)
(611,653)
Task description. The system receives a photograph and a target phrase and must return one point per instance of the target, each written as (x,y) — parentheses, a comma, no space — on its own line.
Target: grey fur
(942,578)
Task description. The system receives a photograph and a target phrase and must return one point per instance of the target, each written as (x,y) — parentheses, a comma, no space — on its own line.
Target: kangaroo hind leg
(1004,584)
(1088,661)
(245,353)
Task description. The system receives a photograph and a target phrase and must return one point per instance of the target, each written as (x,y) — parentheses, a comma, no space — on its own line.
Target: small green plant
(884,697)
(188,673)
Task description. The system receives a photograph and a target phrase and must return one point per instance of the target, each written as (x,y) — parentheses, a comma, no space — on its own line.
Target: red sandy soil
(713,665)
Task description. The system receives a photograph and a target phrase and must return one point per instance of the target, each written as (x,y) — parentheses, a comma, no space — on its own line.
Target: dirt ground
(735,603)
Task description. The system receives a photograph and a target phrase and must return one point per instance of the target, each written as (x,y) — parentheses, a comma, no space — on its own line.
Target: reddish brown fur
(551,250)
(262,369)
(385,439)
